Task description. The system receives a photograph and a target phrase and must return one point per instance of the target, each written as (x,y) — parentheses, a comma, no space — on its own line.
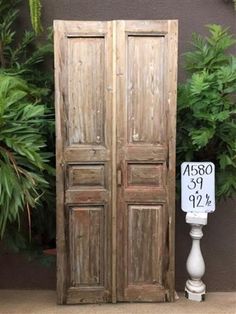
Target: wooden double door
(115,121)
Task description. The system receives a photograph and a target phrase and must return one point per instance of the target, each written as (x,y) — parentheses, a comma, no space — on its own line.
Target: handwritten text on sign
(198,187)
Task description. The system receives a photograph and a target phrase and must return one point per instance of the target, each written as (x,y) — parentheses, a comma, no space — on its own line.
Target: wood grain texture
(121,136)
(60,92)
(171,82)
(145,89)
(86,175)
(144,133)
(145,244)
(86,90)
(83,57)
(115,90)
(145,293)
(86,246)
(114,166)
(91,153)
(145,175)
(90,196)
(149,154)
(83,295)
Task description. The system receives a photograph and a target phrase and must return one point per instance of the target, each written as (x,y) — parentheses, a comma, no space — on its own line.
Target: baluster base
(195,290)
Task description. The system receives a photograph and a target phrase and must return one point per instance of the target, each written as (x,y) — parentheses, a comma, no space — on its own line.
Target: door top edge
(118,20)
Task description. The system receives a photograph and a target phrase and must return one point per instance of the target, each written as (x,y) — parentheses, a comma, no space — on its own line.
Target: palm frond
(35,15)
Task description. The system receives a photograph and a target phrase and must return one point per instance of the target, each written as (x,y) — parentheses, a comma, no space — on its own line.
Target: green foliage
(206,122)
(19,56)
(234,1)
(27,135)
(22,160)
(209,53)
(35,15)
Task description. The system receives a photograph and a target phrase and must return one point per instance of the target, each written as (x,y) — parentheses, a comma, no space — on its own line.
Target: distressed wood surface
(145,89)
(83,59)
(86,175)
(86,246)
(145,136)
(171,83)
(114,168)
(60,92)
(115,104)
(145,246)
(145,175)
(86,71)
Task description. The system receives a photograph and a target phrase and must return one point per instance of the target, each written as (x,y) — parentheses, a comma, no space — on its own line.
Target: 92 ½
(194,170)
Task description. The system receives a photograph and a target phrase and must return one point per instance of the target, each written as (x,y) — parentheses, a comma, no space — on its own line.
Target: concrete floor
(44,302)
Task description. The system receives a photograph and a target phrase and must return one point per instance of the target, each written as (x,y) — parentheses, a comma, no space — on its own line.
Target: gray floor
(44,302)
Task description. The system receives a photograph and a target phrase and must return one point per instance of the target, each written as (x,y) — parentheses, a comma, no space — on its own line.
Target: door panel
(83,102)
(86,233)
(145,174)
(86,176)
(145,245)
(144,207)
(86,70)
(145,89)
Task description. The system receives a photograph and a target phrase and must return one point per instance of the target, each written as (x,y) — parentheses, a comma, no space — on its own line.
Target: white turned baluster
(195,289)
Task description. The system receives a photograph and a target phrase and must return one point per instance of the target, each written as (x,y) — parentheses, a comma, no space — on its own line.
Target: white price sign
(198,187)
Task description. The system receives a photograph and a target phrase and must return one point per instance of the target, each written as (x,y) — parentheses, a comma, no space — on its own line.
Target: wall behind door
(219,239)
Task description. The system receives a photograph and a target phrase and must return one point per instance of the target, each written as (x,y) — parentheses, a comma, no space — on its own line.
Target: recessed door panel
(84,175)
(145,244)
(86,232)
(86,70)
(140,174)
(145,89)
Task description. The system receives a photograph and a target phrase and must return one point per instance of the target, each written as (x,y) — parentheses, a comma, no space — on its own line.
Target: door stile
(60,92)
(121,135)
(171,135)
(114,168)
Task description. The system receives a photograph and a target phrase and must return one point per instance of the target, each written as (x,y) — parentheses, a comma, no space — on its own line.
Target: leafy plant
(22,161)
(35,8)
(21,65)
(234,1)
(20,56)
(206,124)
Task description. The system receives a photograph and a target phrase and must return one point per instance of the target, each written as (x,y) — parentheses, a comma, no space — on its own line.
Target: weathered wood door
(146,78)
(115,116)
